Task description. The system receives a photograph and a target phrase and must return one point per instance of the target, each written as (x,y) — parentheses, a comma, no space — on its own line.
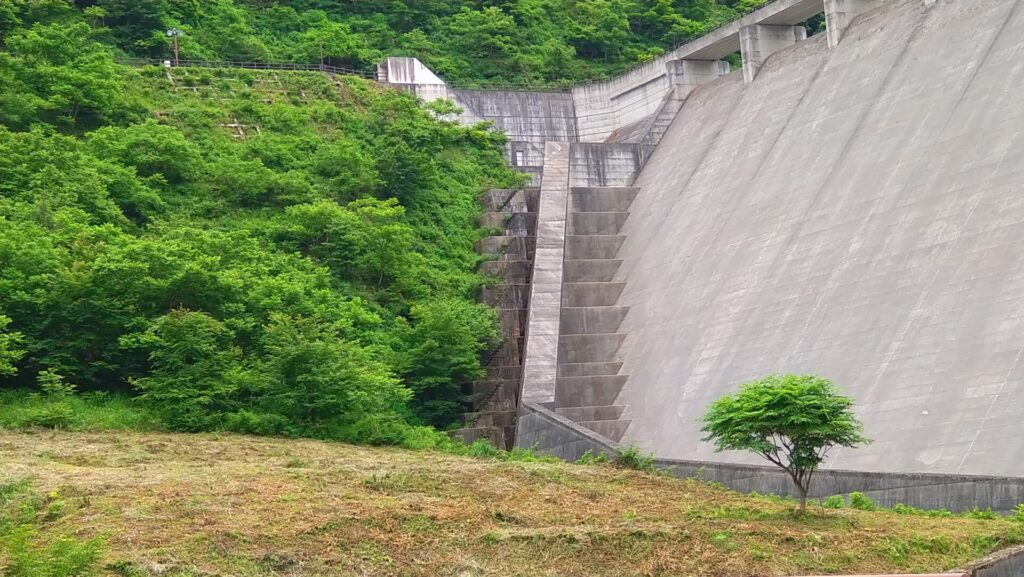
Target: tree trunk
(803,498)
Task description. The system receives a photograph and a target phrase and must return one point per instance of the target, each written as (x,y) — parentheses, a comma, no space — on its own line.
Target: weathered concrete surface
(540,360)
(607,165)
(759,41)
(839,14)
(528,119)
(1008,563)
(855,213)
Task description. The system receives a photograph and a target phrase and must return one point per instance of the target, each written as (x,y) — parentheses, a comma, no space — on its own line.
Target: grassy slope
(231,505)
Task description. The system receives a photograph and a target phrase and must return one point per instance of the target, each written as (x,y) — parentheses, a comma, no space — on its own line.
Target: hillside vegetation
(466,40)
(273,253)
(190,505)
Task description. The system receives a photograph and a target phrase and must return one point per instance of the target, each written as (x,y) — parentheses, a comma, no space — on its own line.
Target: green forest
(507,41)
(281,253)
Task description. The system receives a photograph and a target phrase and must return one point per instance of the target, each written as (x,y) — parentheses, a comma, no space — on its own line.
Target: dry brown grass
(243,506)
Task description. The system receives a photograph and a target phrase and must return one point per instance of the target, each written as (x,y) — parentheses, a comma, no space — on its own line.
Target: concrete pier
(839,14)
(759,41)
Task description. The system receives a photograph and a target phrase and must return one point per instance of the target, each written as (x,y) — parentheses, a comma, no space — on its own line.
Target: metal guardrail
(467,85)
(324,68)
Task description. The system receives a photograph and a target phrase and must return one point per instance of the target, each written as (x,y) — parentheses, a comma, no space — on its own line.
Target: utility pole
(174,33)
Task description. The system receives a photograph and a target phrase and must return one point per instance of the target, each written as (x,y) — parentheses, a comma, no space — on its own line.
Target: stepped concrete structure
(849,204)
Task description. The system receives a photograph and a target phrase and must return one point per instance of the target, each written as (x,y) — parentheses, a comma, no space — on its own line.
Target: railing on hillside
(457,84)
(300,66)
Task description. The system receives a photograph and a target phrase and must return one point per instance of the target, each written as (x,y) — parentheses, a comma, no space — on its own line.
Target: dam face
(849,205)
(856,213)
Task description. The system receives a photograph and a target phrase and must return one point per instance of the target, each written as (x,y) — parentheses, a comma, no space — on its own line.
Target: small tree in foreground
(791,420)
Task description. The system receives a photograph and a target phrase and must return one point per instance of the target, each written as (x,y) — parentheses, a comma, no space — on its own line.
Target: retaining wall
(552,434)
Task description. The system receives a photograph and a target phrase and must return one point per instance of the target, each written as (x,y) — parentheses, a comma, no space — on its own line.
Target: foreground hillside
(232,505)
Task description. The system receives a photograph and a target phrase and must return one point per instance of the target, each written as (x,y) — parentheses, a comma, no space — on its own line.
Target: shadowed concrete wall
(529,119)
(553,434)
(855,213)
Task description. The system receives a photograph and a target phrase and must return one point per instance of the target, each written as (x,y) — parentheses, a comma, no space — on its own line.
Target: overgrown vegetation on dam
(466,40)
(271,253)
(229,505)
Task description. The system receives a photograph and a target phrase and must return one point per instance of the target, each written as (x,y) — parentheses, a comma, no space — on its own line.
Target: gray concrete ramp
(856,213)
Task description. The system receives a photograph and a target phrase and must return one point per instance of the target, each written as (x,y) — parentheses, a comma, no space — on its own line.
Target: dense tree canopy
(466,40)
(280,253)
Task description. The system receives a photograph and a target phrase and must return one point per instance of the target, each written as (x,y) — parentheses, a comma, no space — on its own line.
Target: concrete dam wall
(856,213)
(849,205)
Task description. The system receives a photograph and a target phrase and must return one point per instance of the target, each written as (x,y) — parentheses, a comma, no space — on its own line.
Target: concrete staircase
(588,379)
(661,120)
(494,400)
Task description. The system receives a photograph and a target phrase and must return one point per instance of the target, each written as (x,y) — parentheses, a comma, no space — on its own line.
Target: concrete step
(510,271)
(491,418)
(512,372)
(498,199)
(588,391)
(601,198)
(520,221)
(510,353)
(591,294)
(589,369)
(500,397)
(600,413)
(611,430)
(494,435)
(591,247)
(590,270)
(596,223)
(512,247)
(513,321)
(589,348)
(591,320)
(505,296)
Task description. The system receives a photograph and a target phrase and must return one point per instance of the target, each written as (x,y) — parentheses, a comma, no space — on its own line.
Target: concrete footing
(759,41)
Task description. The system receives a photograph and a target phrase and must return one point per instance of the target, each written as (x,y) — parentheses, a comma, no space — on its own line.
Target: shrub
(632,457)
(1018,513)
(589,458)
(24,553)
(983,514)
(834,502)
(902,509)
(56,412)
(65,557)
(861,501)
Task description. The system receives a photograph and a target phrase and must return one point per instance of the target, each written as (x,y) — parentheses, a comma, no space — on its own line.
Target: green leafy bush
(24,554)
(632,457)
(834,502)
(589,458)
(861,501)
(1018,513)
(982,514)
(295,282)
(65,557)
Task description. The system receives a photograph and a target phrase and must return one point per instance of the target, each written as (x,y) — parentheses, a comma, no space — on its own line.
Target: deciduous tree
(792,421)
